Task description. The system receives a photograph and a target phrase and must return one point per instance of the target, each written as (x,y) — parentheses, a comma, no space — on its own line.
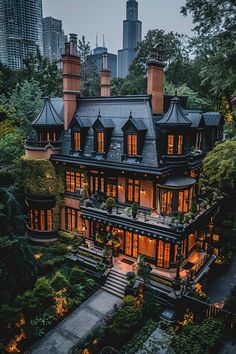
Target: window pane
(76,140)
(180,144)
(170,144)
(147,246)
(128,243)
(100,142)
(132,140)
(42,220)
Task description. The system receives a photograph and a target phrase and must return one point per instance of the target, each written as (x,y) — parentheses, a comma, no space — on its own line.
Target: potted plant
(110,203)
(134,210)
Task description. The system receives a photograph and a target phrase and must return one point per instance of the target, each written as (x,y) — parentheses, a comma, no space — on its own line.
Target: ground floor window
(73,220)
(40,219)
(163,254)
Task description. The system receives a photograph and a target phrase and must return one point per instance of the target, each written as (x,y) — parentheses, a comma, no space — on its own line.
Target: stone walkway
(76,326)
(219,287)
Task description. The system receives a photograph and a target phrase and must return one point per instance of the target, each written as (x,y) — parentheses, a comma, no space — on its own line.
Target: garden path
(76,326)
(219,287)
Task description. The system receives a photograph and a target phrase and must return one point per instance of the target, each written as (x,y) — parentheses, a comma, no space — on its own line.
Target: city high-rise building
(132,34)
(21,32)
(53,38)
(97,57)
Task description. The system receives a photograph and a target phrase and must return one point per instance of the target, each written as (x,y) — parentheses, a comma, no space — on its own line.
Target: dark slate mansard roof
(51,113)
(115,113)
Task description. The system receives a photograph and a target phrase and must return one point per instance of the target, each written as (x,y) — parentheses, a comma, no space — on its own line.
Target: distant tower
(53,38)
(20,31)
(132,34)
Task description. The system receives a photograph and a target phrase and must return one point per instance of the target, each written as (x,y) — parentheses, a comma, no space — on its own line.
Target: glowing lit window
(163,254)
(76,141)
(147,246)
(180,144)
(40,220)
(185,200)
(133,190)
(112,187)
(166,202)
(100,142)
(132,144)
(170,144)
(73,220)
(128,243)
(74,181)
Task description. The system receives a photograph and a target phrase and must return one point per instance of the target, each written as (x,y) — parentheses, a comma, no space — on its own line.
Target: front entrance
(131,244)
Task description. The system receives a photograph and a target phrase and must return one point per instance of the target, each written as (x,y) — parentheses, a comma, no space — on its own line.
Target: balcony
(147,221)
(41,145)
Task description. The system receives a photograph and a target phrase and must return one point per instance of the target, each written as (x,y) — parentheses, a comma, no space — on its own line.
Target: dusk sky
(89,17)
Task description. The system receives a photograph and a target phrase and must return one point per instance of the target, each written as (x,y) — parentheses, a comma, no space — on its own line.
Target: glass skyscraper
(132,34)
(21,31)
(53,38)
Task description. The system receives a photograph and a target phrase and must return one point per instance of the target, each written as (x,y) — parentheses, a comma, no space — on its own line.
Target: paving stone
(77,325)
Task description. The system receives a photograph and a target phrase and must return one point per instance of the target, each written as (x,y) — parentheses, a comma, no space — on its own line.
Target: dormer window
(76,140)
(134,137)
(102,135)
(132,144)
(100,140)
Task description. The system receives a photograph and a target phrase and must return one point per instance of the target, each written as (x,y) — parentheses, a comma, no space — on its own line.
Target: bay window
(40,220)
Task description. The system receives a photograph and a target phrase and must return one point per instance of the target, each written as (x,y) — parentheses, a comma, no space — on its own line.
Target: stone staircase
(115,283)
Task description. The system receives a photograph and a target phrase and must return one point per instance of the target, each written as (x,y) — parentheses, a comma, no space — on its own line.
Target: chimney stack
(71,79)
(105,77)
(155,81)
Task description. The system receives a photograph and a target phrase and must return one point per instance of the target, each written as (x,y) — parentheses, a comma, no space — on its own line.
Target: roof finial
(99,114)
(130,114)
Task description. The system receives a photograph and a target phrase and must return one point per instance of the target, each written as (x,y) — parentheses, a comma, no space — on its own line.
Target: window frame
(40,219)
(132,148)
(75,179)
(133,186)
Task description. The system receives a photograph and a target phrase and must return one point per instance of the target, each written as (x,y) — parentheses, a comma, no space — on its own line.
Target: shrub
(134,208)
(65,236)
(110,202)
(59,281)
(129,300)
(28,303)
(124,320)
(40,324)
(150,309)
(60,250)
(76,294)
(136,343)
(77,275)
(44,292)
(130,277)
(89,283)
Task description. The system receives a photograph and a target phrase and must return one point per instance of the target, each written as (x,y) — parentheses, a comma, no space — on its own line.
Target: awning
(178,182)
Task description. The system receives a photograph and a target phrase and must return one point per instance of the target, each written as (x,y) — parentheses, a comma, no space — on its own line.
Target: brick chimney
(155,81)
(105,77)
(71,79)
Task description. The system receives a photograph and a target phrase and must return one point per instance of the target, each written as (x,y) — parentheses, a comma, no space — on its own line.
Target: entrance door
(131,244)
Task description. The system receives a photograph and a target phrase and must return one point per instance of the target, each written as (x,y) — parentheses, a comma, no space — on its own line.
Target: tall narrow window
(49,220)
(112,187)
(132,144)
(199,141)
(170,145)
(100,142)
(76,141)
(166,202)
(180,144)
(40,220)
(133,190)
(73,221)
(163,254)
(74,181)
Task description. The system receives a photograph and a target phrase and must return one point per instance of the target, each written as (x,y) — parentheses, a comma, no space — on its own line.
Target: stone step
(115,285)
(160,287)
(118,273)
(118,292)
(113,292)
(117,279)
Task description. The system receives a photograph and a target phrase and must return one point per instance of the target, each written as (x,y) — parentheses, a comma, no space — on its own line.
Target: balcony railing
(149,217)
(41,144)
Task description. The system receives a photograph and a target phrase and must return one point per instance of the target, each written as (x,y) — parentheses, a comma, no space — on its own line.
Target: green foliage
(130,277)
(77,275)
(59,281)
(11,147)
(136,343)
(193,208)
(76,294)
(26,99)
(230,130)
(40,177)
(28,303)
(6,127)
(44,292)
(110,202)
(219,168)
(9,315)
(134,208)
(150,309)
(45,73)
(90,81)
(124,320)
(129,300)
(198,339)
(60,249)
(40,324)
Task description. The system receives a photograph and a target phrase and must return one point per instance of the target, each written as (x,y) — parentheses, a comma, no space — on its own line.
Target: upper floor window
(40,220)
(76,141)
(72,219)
(133,190)
(199,141)
(185,200)
(74,181)
(166,202)
(100,141)
(112,187)
(48,136)
(132,144)
(180,144)
(170,145)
